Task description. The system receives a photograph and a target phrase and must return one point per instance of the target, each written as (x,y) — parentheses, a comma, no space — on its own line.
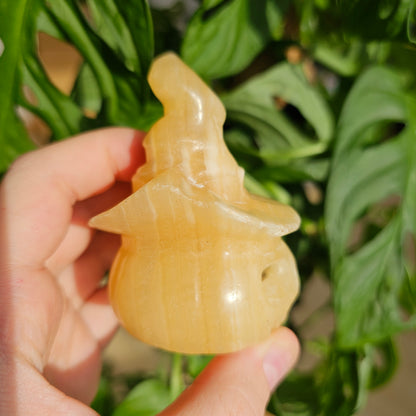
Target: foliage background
(321,112)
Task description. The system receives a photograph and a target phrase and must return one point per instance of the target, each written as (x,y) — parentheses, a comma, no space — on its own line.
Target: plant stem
(177,384)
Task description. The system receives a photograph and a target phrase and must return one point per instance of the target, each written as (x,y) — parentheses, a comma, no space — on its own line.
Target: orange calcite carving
(202,267)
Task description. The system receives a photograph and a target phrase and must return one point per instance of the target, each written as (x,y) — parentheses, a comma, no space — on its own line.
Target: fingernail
(279,359)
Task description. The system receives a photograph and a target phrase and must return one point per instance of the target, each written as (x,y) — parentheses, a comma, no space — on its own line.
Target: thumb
(239,383)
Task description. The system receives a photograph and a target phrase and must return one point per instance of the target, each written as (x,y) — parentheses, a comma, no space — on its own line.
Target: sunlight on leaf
(241,29)
(368,282)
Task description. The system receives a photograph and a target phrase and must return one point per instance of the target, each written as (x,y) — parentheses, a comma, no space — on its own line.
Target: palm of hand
(56,312)
(80,320)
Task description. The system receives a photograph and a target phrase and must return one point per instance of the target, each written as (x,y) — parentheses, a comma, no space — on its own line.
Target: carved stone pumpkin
(202,267)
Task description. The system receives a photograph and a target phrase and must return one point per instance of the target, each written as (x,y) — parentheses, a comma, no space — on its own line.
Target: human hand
(55,318)
(54,313)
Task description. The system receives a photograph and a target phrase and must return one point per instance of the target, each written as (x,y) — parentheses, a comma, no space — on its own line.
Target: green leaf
(411,23)
(255,187)
(368,167)
(61,114)
(126,26)
(345,60)
(125,94)
(386,360)
(334,388)
(275,14)
(147,399)
(366,19)
(376,97)
(58,110)
(295,171)
(278,138)
(339,390)
(106,86)
(176,383)
(73,24)
(356,183)
(104,400)
(209,4)
(408,292)
(296,396)
(367,306)
(196,363)
(47,24)
(13,138)
(86,91)
(222,40)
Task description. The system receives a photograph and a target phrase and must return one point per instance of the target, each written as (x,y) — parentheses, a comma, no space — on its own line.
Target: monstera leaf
(372,173)
(241,27)
(115,64)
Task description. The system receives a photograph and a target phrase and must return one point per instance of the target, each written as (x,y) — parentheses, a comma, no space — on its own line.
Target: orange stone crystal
(202,267)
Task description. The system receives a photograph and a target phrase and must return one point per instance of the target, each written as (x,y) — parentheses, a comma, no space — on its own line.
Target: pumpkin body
(202,267)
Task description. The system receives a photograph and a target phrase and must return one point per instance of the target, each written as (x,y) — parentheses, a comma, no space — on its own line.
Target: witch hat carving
(202,267)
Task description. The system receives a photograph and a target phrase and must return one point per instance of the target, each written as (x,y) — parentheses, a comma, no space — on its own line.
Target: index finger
(38,193)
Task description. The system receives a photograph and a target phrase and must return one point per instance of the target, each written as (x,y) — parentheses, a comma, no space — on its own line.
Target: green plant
(320,98)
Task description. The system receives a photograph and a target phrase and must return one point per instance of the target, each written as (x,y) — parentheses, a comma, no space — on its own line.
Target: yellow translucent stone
(202,267)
